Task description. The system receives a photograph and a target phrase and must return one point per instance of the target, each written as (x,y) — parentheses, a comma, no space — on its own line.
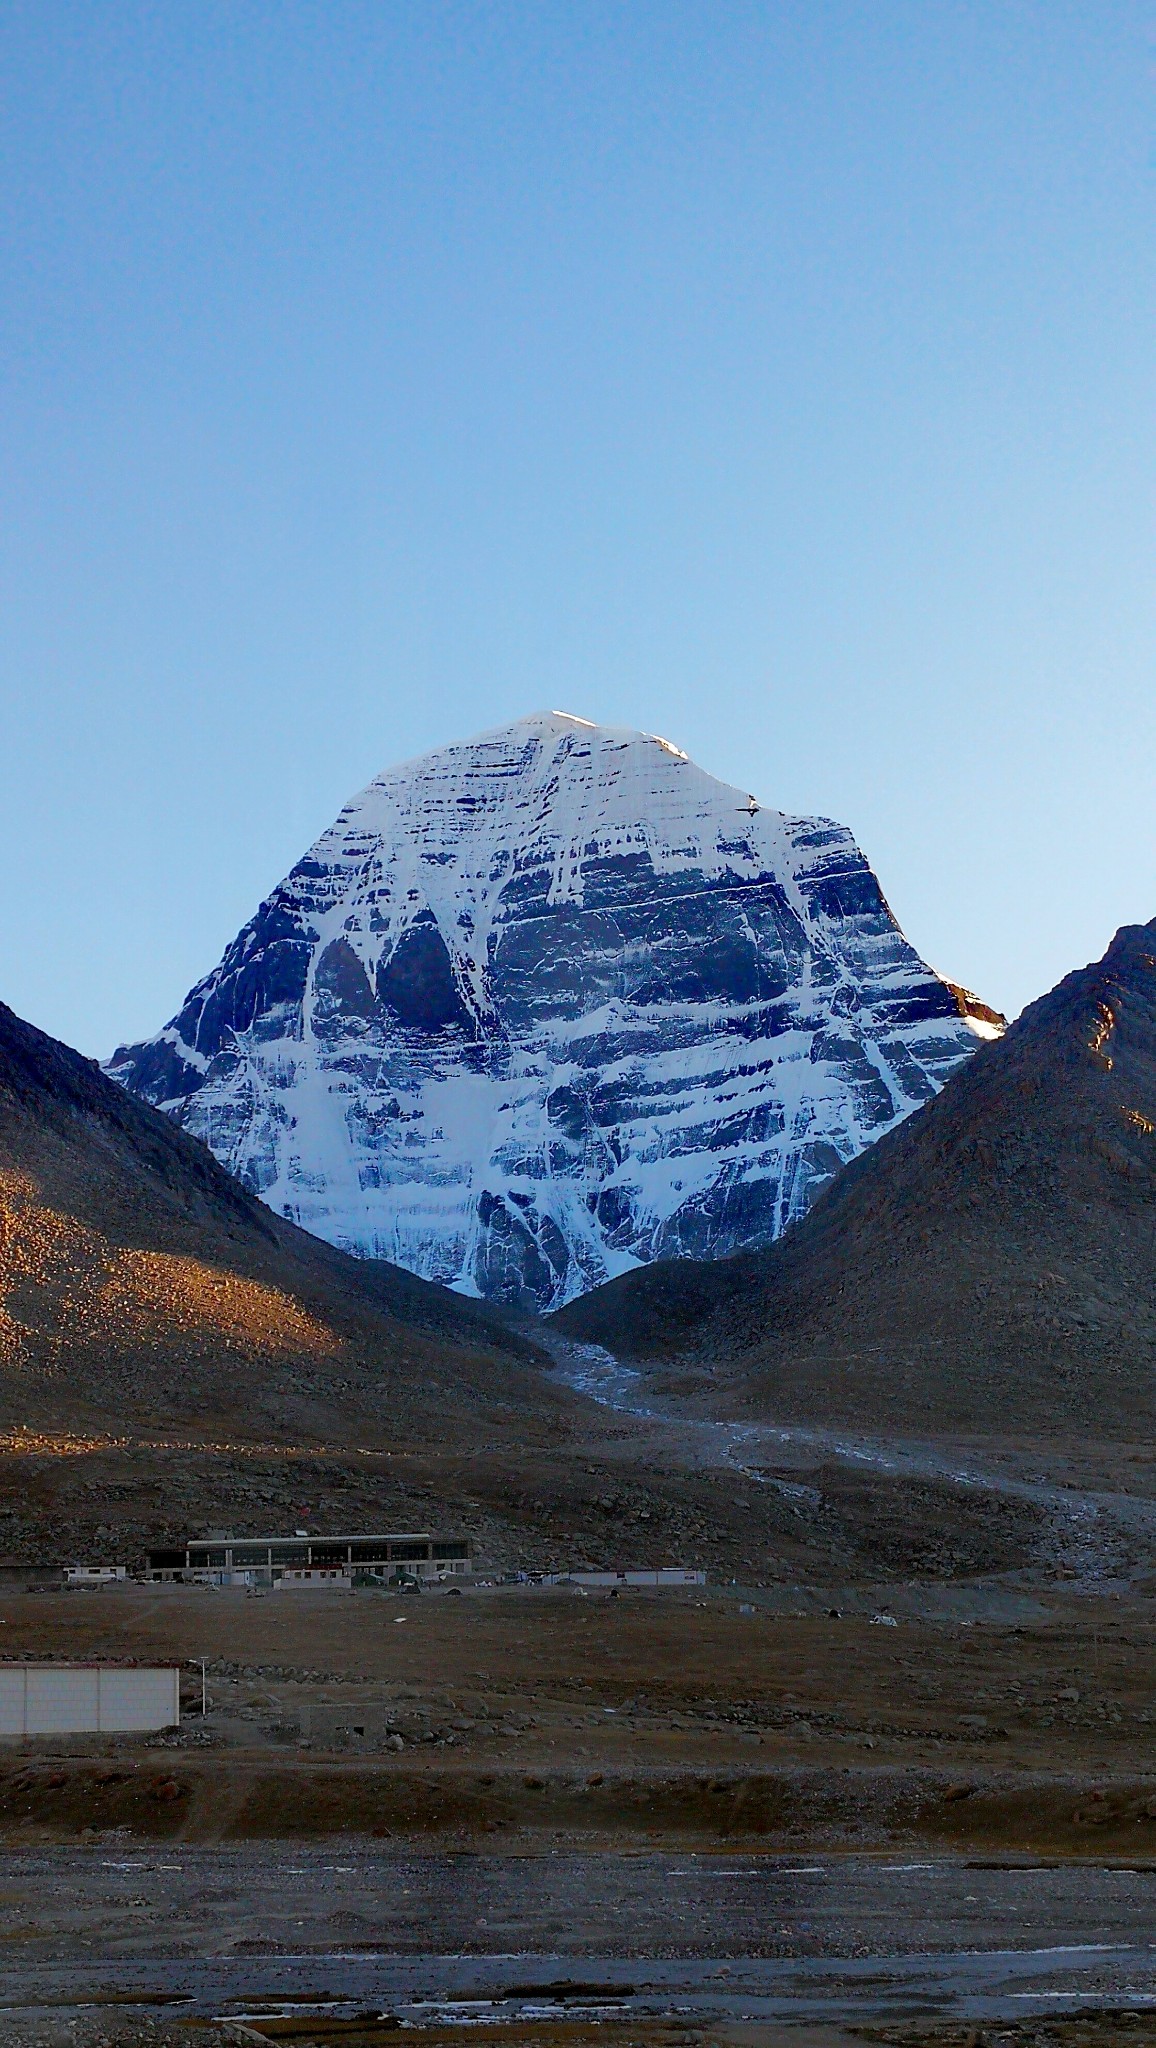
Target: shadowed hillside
(989,1265)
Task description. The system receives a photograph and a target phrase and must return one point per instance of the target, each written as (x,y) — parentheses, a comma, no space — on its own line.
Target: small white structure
(95,1574)
(674,1575)
(87,1699)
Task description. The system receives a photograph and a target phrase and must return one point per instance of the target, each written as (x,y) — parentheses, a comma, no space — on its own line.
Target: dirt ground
(1089,2030)
(1094,2031)
(97,2031)
(696,1713)
(620,1495)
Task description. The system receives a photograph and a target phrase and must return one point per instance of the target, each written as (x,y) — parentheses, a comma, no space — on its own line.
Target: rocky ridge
(989,1265)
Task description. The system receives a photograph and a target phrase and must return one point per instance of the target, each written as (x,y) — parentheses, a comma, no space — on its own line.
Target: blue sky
(775,377)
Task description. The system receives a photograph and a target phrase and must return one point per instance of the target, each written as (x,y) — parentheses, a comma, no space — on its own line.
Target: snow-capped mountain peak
(551,1002)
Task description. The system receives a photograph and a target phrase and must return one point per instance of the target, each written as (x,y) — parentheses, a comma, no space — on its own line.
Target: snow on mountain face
(551,1003)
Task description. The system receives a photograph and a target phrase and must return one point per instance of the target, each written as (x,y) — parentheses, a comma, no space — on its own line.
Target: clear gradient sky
(776,377)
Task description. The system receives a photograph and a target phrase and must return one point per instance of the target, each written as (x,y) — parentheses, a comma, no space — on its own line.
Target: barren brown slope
(989,1265)
(141,1285)
(175,1358)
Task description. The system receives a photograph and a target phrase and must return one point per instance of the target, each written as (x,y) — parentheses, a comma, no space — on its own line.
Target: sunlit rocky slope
(141,1286)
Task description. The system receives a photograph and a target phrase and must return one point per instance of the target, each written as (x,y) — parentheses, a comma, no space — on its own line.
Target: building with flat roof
(388,1560)
(79,1699)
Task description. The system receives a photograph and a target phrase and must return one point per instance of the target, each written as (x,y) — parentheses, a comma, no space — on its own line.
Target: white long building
(388,1559)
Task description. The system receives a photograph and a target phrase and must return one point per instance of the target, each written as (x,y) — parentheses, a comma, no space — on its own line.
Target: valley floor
(334,1944)
(733,1820)
(891,1770)
(977,1716)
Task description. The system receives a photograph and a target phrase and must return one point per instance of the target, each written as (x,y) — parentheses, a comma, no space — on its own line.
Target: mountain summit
(552,1003)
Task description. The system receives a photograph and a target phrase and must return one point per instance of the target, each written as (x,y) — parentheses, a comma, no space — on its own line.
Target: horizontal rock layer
(553,1003)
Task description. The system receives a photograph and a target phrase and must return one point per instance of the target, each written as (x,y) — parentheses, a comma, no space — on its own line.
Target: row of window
(367,1551)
